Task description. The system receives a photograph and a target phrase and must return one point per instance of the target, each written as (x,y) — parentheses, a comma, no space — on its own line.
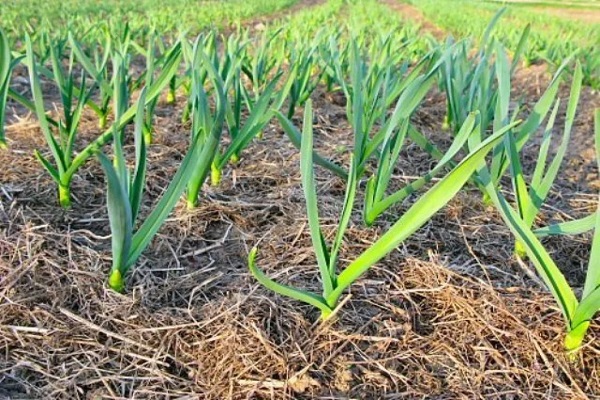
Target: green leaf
(544,264)
(40,111)
(424,143)
(344,219)
(46,164)
(588,307)
(518,180)
(541,191)
(206,128)
(259,117)
(27,104)
(83,59)
(488,31)
(533,121)
(574,227)
(310,193)
(139,173)
(119,215)
(6,67)
(520,49)
(5,57)
(463,135)
(592,279)
(142,238)
(540,165)
(169,69)
(296,138)
(416,216)
(284,290)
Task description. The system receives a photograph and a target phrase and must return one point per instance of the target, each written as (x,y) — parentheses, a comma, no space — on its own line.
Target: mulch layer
(450,314)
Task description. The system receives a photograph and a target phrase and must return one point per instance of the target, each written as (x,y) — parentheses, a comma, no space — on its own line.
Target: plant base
(102,122)
(325,315)
(171,97)
(191,204)
(446,123)
(115,281)
(520,250)
(487,200)
(147,136)
(574,338)
(64,196)
(215,176)
(185,116)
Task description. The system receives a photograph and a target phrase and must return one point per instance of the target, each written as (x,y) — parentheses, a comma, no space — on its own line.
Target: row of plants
(89,19)
(233,85)
(551,40)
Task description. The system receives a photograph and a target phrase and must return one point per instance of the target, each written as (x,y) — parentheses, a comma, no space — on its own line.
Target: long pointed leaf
(139,173)
(145,234)
(296,139)
(574,227)
(592,279)
(310,193)
(284,290)
(416,216)
(119,215)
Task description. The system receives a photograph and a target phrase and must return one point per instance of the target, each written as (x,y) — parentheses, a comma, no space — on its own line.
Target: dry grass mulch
(448,315)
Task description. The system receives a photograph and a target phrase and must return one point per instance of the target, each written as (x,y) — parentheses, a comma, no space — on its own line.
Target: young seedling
(304,62)
(207,126)
(370,92)
(417,215)
(99,71)
(530,198)
(66,163)
(125,192)
(261,110)
(577,313)
(62,146)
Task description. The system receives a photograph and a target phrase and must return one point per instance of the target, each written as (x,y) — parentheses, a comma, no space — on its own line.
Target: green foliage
(62,144)
(551,39)
(577,313)
(334,283)
(85,18)
(7,64)
(382,67)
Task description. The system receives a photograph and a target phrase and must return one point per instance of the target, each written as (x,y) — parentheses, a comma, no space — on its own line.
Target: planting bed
(451,313)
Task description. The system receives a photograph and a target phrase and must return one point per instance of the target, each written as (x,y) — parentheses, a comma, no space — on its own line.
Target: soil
(259,23)
(409,12)
(449,315)
(557,3)
(298,6)
(591,15)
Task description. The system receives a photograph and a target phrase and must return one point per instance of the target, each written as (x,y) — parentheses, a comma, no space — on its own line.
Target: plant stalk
(64,195)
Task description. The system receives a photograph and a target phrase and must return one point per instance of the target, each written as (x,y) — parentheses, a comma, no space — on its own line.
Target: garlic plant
(578,312)
(334,283)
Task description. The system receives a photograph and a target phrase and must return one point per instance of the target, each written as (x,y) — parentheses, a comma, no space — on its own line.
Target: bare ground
(298,6)
(591,15)
(591,5)
(409,12)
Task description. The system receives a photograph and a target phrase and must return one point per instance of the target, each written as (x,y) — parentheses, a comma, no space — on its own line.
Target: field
(299,199)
